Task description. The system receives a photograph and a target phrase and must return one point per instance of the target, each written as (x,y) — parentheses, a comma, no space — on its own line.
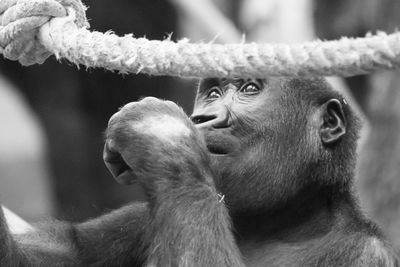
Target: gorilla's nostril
(202,118)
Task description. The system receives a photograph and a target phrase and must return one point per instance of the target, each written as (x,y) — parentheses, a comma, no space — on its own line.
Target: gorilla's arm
(8,248)
(182,226)
(160,148)
(188,227)
(184,223)
(114,238)
(46,245)
(191,228)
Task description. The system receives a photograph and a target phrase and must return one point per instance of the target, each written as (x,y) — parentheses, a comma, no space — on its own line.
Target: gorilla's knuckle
(113,121)
(113,118)
(171,105)
(130,107)
(150,100)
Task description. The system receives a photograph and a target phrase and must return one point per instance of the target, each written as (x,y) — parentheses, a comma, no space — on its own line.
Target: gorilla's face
(252,133)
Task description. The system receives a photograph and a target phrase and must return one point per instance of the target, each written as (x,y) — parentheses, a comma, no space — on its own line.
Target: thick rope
(65,37)
(20,22)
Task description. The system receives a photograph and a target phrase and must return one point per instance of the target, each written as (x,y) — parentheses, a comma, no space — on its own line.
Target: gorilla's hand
(154,142)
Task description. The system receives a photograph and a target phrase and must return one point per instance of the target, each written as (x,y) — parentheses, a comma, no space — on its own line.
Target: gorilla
(261,174)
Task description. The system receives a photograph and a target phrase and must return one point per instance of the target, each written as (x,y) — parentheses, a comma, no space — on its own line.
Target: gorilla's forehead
(238,81)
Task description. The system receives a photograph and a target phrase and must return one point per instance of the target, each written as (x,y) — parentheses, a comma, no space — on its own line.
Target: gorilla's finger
(117,166)
(127,177)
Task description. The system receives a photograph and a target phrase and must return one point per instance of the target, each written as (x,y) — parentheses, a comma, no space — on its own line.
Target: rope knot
(20,21)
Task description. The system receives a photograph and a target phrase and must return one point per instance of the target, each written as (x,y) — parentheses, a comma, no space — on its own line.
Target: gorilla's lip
(216,150)
(219,143)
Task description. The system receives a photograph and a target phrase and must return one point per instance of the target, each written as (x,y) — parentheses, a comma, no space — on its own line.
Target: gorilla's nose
(215,120)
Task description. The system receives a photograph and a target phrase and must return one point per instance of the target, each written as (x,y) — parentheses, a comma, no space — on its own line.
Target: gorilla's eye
(250,88)
(214,93)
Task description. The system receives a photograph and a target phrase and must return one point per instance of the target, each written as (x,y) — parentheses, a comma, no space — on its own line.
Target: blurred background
(52,116)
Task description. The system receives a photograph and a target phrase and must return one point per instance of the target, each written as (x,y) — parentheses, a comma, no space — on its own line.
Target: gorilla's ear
(333,124)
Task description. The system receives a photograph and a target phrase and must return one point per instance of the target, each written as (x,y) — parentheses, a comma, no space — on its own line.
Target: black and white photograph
(200,133)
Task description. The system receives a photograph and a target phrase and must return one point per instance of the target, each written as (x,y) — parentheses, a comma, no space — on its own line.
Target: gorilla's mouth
(220,143)
(217,150)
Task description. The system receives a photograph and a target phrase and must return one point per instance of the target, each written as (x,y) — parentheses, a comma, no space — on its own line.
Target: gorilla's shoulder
(376,252)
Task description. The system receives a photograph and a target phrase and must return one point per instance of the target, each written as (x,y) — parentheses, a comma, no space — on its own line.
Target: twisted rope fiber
(20,23)
(66,36)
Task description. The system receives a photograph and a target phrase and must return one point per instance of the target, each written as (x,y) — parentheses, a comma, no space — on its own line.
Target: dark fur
(288,196)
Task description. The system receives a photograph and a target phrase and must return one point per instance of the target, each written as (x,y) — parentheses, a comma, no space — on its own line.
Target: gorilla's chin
(220,143)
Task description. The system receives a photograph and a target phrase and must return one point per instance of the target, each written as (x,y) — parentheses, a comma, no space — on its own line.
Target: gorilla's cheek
(245,169)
